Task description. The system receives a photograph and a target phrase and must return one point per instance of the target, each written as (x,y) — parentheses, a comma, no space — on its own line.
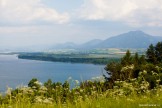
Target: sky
(49,22)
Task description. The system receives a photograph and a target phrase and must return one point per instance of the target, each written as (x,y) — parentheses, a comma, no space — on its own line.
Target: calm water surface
(14,71)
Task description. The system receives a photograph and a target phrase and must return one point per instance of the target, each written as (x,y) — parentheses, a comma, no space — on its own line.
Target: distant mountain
(71,45)
(91,44)
(132,39)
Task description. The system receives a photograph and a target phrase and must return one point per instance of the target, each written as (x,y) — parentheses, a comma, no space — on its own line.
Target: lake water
(14,71)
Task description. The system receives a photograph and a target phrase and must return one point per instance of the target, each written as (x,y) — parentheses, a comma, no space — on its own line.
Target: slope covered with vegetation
(134,82)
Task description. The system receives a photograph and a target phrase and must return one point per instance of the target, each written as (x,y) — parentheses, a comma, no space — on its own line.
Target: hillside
(132,39)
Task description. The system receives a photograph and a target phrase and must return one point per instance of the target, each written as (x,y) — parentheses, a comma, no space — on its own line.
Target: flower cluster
(127,68)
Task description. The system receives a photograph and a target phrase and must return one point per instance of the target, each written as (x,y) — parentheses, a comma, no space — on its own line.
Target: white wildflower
(144,72)
(47,101)
(38,83)
(38,99)
(8,92)
(158,80)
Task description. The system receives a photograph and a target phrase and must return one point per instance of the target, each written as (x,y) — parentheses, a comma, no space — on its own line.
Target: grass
(132,101)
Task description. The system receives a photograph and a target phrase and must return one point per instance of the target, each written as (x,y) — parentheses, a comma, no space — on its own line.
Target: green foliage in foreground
(130,93)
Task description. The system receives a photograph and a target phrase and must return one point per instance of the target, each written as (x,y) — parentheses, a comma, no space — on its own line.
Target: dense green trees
(154,53)
(127,59)
(130,66)
(158,52)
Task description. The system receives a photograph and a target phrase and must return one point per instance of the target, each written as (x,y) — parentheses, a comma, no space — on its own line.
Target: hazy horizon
(50,22)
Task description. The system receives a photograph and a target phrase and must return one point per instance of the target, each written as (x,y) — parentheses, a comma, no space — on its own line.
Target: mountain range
(131,39)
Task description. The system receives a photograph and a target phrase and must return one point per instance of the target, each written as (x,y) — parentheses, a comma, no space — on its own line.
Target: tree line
(130,66)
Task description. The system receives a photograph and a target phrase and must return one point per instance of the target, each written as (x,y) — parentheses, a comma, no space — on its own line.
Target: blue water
(15,72)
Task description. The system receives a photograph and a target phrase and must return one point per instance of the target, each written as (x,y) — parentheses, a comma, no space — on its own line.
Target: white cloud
(29,11)
(132,12)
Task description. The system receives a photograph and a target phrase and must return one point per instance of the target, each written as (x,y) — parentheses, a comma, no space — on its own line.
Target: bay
(15,72)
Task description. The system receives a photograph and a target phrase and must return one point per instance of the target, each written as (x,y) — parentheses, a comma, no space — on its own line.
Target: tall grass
(132,101)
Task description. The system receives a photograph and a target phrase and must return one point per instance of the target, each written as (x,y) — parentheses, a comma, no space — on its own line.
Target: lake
(15,72)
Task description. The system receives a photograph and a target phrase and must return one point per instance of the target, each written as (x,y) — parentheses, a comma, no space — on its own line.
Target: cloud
(29,11)
(132,12)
